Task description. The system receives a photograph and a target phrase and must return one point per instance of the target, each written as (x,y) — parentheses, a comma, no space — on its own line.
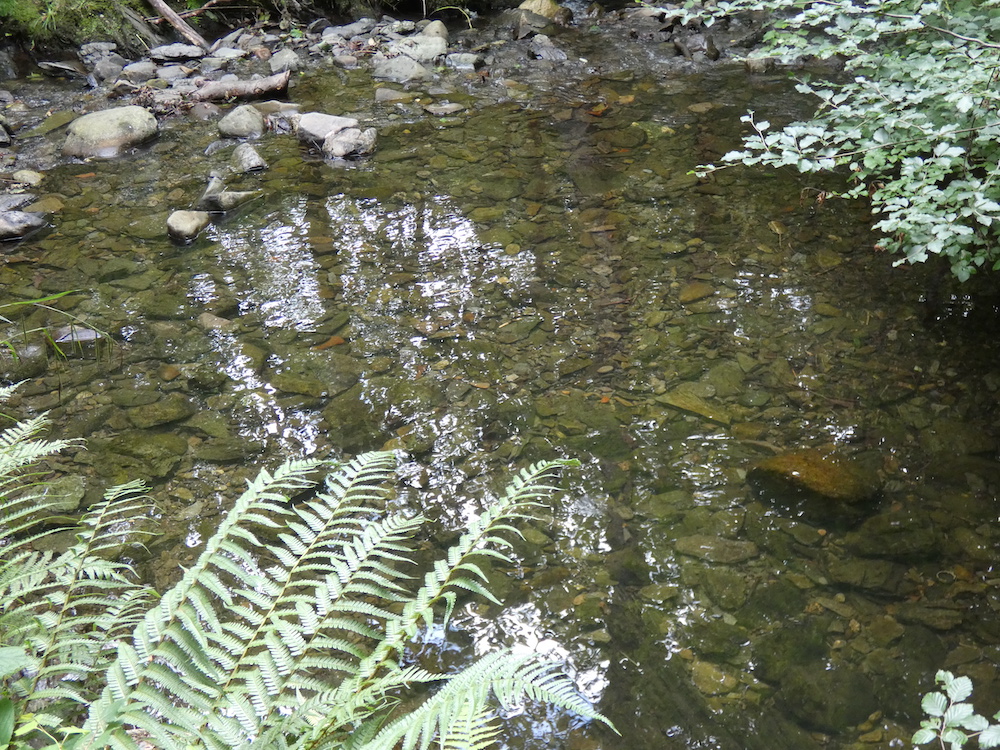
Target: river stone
(177,51)
(350,141)
(466,61)
(316,127)
(284,59)
(352,425)
(815,482)
(716,549)
(549,9)
(246,159)
(687,398)
(171,408)
(694,291)
(711,679)
(543,48)
(31,360)
(16,224)
(65,494)
(106,133)
(243,122)
(400,69)
(140,72)
(186,225)
(829,699)
(420,48)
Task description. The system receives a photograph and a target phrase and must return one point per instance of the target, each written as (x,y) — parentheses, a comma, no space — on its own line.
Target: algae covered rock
(818,485)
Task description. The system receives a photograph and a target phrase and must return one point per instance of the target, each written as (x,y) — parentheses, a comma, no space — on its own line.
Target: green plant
(952,721)
(289,631)
(913,122)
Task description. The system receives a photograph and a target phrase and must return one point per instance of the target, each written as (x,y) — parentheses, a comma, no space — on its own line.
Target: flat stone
(828,475)
(694,291)
(317,126)
(716,549)
(177,52)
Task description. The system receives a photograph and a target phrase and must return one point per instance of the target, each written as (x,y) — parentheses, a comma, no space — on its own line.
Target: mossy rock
(826,699)
(817,485)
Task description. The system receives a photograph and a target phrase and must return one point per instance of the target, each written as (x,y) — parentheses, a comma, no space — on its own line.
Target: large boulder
(107,133)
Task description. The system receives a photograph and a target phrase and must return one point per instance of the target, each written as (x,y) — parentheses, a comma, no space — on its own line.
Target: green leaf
(990,736)
(934,704)
(12,659)
(959,688)
(6,721)
(923,736)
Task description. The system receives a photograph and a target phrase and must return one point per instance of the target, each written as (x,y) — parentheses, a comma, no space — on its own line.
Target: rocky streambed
(785,521)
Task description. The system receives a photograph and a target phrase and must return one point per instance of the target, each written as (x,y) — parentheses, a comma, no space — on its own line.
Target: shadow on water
(540,275)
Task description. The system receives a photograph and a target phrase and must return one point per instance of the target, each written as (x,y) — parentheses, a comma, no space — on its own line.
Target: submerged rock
(817,484)
(246,159)
(107,133)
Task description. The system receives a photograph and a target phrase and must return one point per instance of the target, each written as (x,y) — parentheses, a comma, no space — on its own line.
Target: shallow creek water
(539,276)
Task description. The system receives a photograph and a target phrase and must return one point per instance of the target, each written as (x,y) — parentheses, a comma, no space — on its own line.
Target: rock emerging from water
(185,226)
(817,484)
(17,224)
(107,133)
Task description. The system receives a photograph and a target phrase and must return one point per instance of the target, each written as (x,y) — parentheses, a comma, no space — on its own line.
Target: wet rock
(28,177)
(171,408)
(316,127)
(218,199)
(694,291)
(816,484)
(140,72)
(77,341)
(284,59)
(547,9)
(466,61)
(243,122)
(137,454)
(687,397)
(352,425)
(26,361)
(186,225)
(716,549)
(543,48)
(65,494)
(350,142)
(906,535)
(943,617)
(953,437)
(423,49)
(246,159)
(227,450)
(827,699)
(177,51)
(862,573)
(711,679)
(107,133)
(401,69)
(17,224)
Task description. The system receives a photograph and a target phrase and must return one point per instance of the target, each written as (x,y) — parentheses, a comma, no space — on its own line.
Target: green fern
(288,631)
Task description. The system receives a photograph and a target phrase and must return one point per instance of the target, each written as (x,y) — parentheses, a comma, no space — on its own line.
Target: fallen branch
(179,24)
(242,89)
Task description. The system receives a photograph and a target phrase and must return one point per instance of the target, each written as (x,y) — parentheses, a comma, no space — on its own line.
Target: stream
(538,275)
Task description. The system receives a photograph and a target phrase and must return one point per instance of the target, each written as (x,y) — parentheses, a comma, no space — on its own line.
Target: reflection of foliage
(915,123)
(288,631)
(952,721)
